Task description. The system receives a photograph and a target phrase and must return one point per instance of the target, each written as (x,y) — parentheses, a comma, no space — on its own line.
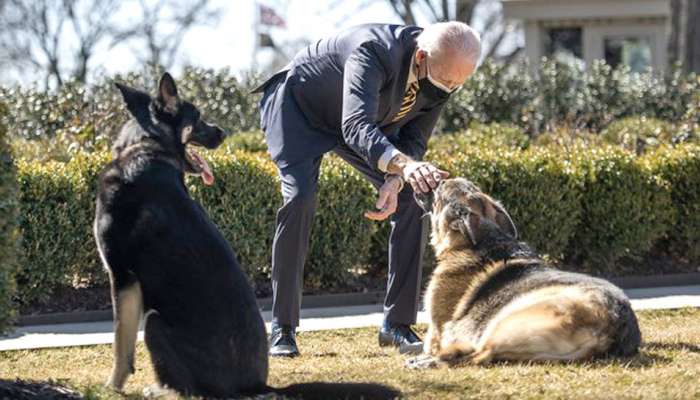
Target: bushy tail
(628,337)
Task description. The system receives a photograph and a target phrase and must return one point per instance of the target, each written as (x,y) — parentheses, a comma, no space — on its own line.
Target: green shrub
(537,188)
(56,214)
(253,142)
(244,201)
(680,167)
(625,208)
(494,135)
(587,206)
(639,134)
(9,234)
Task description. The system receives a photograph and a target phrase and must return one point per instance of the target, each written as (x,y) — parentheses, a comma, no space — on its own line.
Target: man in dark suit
(372,94)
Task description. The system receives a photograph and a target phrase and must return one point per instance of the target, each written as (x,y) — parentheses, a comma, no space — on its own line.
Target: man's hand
(423,176)
(388,199)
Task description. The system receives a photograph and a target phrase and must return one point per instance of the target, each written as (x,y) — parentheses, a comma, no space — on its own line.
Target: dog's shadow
(680,346)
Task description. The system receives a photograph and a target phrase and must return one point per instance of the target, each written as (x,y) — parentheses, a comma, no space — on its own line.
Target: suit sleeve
(413,137)
(363,78)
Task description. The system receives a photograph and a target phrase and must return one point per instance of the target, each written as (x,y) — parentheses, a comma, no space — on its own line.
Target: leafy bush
(680,167)
(625,208)
(8,230)
(589,206)
(495,135)
(638,134)
(80,118)
(537,187)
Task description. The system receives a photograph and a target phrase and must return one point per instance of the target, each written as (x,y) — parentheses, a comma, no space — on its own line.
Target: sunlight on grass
(667,367)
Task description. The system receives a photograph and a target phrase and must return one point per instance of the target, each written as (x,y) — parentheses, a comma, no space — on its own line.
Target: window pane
(635,52)
(563,43)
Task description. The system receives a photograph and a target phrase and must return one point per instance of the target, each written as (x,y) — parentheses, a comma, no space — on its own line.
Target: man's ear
(136,101)
(468,225)
(167,93)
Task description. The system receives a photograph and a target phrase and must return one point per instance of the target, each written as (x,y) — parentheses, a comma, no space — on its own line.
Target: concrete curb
(348,299)
(310,301)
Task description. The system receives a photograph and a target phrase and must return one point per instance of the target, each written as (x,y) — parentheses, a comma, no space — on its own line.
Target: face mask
(433,89)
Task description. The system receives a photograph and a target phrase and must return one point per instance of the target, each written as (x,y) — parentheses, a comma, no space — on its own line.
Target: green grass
(668,367)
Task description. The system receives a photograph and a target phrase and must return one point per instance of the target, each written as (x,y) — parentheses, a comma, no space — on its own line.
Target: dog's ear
(468,225)
(504,221)
(136,101)
(167,93)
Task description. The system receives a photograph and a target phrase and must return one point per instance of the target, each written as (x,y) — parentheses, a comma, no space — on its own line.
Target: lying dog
(203,329)
(492,298)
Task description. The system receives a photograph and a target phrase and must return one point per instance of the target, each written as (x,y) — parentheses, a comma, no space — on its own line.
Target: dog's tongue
(207,175)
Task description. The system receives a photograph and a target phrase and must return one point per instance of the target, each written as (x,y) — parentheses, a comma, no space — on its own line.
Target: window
(635,52)
(564,44)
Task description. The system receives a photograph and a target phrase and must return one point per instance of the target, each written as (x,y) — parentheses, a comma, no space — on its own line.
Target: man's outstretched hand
(388,199)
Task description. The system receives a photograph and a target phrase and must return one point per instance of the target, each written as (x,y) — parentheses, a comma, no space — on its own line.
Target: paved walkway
(81,334)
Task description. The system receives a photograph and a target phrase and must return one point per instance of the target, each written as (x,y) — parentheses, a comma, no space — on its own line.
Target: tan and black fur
(492,298)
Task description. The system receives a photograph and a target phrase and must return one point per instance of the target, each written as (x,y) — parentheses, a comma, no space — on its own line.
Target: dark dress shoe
(401,336)
(283,341)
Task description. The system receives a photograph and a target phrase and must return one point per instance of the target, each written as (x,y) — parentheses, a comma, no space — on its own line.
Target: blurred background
(50,42)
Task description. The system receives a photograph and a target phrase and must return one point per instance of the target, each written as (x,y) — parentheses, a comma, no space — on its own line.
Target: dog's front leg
(127,304)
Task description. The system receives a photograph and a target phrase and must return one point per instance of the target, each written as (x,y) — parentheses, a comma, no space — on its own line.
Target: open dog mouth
(199,165)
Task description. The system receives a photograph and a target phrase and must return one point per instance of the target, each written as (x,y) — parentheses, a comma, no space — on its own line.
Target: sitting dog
(492,298)
(203,328)
(164,256)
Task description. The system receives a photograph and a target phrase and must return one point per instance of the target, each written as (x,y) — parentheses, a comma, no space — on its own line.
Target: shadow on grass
(48,390)
(693,348)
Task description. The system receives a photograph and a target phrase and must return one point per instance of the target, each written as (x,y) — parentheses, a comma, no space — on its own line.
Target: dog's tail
(328,391)
(627,337)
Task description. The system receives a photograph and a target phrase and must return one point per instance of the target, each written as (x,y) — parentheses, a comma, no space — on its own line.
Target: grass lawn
(667,368)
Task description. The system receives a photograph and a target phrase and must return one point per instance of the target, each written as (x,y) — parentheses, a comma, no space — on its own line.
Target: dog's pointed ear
(136,101)
(167,93)
(505,222)
(468,225)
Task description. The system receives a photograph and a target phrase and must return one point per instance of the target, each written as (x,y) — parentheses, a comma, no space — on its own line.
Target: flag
(269,17)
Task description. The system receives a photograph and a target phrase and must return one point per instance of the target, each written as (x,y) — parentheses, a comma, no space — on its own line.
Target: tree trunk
(684,41)
(692,41)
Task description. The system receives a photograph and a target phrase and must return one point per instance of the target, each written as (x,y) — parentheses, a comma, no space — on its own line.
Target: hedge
(555,95)
(588,208)
(8,230)
(680,167)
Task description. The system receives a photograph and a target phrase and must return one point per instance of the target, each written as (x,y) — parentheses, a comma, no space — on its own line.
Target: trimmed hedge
(680,167)
(587,207)
(625,208)
(8,230)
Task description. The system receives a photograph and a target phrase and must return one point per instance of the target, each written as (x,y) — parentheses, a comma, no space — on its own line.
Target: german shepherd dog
(164,256)
(203,328)
(492,298)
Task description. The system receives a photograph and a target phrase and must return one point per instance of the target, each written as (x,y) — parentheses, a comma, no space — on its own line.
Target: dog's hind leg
(171,370)
(127,304)
(562,328)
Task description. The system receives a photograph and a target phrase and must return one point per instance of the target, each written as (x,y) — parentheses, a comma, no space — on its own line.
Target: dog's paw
(157,391)
(423,361)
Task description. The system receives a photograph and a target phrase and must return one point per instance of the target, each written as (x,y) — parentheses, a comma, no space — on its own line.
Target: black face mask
(431,91)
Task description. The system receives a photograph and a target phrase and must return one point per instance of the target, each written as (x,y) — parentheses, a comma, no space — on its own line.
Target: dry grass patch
(668,367)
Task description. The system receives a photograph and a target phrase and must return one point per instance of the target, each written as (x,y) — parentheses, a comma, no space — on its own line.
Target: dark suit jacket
(348,88)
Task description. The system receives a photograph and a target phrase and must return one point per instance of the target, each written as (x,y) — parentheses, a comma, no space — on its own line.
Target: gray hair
(446,37)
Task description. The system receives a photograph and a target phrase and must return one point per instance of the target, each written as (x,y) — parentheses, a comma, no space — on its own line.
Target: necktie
(409,100)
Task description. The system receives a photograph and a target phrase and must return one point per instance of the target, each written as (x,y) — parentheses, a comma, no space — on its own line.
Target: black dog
(165,257)
(203,328)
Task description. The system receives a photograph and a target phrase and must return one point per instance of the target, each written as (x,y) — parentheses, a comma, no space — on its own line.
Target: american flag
(269,17)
